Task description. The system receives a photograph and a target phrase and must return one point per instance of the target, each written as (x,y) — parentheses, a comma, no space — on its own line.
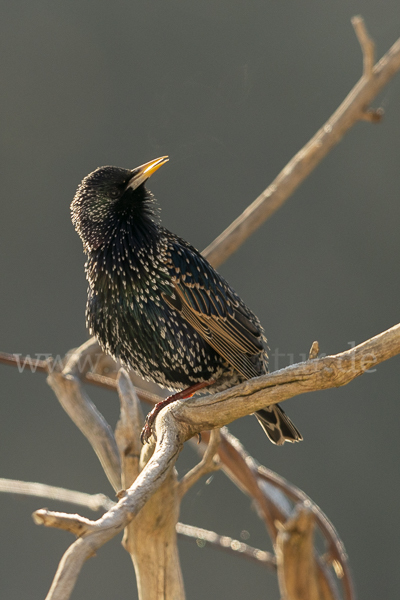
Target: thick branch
(272,496)
(179,422)
(127,431)
(170,441)
(298,572)
(157,566)
(319,374)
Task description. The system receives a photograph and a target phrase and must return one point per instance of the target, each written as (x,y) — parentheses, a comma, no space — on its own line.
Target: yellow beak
(145,171)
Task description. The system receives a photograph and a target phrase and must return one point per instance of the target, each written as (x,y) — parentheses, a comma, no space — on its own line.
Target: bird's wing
(213,309)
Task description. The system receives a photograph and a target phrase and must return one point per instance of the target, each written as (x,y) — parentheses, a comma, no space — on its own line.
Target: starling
(156,304)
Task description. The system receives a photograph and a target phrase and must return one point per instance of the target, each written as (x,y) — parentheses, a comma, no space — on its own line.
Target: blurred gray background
(230,91)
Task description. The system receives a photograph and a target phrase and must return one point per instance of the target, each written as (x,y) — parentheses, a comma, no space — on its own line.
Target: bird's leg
(183,394)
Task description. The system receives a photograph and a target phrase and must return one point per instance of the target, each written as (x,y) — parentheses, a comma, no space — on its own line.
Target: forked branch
(354,108)
(180,421)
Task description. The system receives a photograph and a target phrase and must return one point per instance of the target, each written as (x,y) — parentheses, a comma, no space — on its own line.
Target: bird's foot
(182,395)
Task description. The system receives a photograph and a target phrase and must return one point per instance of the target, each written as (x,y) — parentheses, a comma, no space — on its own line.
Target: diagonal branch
(228,544)
(90,421)
(318,374)
(98,502)
(181,420)
(273,497)
(210,462)
(353,108)
(169,444)
(367,46)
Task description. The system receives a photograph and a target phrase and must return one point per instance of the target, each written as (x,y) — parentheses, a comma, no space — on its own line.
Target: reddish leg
(187,393)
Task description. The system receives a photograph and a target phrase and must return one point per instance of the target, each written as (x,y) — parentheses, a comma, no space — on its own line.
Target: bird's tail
(277,425)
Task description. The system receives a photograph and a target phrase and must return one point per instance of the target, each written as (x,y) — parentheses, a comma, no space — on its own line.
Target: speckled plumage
(155,303)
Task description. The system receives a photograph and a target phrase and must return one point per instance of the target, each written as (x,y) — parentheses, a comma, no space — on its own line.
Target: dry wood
(298,572)
(353,108)
(151,539)
(228,544)
(73,523)
(180,421)
(271,495)
(90,421)
(208,464)
(96,502)
(41,490)
(318,374)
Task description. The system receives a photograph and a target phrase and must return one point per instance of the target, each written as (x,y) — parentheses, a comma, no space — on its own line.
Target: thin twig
(23,362)
(367,45)
(208,464)
(227,544)
(26,488)
(97,502)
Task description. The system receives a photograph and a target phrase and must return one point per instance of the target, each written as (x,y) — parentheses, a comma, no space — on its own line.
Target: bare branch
(41,490)
(298,572)
(367,45)
(90,421)
(73,523)
(321,373)
(273,496)
(208,464)
(353,108)
(179,422)
(227,544)
(97,502)
(314,351)
(23,362)
(336,555)
(83,359)
(94,377)
(127,431)
(170,440)
(157,565)
(220,409)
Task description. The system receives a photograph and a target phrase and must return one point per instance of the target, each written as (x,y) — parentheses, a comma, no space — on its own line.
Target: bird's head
(109,196)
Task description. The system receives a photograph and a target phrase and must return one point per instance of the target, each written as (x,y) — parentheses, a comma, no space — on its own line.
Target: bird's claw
(147,430)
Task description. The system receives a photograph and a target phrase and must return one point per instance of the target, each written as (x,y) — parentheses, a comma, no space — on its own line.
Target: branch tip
(373,115)
(367,45)
(208,464)
(314,351)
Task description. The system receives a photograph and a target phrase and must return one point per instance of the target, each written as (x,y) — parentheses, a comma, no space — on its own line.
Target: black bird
(155,303)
